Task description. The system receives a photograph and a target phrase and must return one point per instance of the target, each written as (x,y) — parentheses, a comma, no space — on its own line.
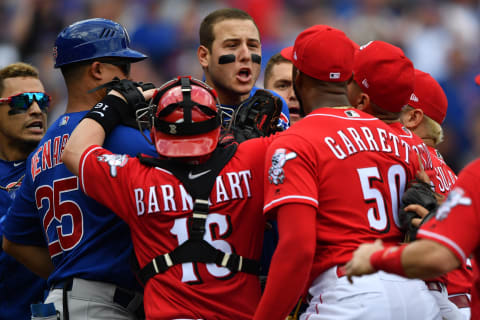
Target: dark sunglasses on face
(22,101)
(123,65)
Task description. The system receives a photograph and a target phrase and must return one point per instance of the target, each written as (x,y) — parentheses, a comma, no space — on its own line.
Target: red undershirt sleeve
(291,262)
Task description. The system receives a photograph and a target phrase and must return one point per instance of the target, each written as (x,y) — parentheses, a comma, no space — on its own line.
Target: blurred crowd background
(440,37)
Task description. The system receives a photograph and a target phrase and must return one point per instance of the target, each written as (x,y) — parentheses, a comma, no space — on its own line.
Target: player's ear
(416,118)
(203,55)
(95,70)
(362,102)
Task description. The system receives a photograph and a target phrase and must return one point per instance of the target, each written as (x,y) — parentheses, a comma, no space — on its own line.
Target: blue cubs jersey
(283,121)
(19,287)
(84,239)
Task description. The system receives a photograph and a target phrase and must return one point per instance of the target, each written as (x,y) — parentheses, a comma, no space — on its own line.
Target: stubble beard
(229,91)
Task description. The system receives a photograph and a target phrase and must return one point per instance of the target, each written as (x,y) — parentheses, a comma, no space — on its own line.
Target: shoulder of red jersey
(341,113)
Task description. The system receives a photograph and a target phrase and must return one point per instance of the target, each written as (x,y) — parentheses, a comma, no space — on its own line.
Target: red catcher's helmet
(186,120)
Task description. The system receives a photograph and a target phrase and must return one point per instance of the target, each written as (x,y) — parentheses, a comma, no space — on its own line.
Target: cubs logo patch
(114,161)
(455,197)
(276,175)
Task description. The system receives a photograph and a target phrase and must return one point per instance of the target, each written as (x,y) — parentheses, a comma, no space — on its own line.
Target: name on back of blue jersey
(48,156)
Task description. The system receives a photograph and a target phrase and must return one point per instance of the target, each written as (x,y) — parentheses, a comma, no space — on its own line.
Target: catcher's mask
(185,118)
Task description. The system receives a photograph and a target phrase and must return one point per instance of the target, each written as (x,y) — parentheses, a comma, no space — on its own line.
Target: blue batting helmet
(91,39)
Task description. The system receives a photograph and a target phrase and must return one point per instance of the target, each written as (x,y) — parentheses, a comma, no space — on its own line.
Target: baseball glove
(420,193)
(134,97)
(256,117)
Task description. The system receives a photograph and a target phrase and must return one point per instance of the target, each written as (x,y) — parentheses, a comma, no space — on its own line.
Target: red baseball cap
(323,53)
(384,73)
(429,97)
(287,53)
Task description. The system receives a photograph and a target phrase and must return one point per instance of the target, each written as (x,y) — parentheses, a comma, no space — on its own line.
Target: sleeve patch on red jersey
(276,175)
(454,198)
(114,161)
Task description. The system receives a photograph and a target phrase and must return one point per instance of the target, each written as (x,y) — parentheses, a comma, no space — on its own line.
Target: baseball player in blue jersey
(230,54)
(23,119)
(89,246)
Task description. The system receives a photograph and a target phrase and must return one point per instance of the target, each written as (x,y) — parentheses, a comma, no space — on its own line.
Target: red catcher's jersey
(457,222)
(156,206)
(352,168)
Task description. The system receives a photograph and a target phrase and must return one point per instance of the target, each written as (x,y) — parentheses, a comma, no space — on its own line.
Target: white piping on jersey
(444,239)
(290,197)
(163,170)
(83,165)
(409,136)
(340,117)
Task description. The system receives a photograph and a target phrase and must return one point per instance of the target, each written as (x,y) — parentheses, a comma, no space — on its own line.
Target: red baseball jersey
(443,178)
(156,206)
(457,222)
(352,168)
(415,142)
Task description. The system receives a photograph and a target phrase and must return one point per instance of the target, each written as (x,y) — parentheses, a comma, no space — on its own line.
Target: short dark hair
(15,70)
(206,27)
(274,60)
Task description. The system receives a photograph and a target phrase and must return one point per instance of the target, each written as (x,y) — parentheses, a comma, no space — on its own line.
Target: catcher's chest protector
(196,249)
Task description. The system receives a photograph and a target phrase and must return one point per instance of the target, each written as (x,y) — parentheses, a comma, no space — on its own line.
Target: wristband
(389,260)
(107,112)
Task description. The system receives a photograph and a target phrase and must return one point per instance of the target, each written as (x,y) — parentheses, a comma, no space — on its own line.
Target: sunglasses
(23,101)
(123,65)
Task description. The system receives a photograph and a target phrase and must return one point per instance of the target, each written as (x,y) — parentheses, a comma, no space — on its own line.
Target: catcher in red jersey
(194,212)
(445,241)
(333,181)
(424,115)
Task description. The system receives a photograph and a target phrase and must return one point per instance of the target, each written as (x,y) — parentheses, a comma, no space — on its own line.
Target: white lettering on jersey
(395,140)
(222,194)
(407,151)
(350,147)
(166,198)
(234,180)
(337,151)
(245,175)
(379,140)
(371,141)
(382,134)
(152,200)
(187,201)
(357,139)
(138,192)
(168,201)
